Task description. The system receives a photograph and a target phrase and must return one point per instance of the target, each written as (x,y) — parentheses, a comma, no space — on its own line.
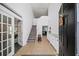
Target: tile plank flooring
(37,48)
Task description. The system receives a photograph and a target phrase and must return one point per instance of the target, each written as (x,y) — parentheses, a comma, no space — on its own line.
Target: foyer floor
(37,48)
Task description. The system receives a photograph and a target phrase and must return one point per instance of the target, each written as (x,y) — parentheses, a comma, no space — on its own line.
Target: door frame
(20,22)
(44,30)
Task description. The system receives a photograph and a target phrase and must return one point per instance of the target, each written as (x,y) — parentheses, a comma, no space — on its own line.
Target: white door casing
(20,32)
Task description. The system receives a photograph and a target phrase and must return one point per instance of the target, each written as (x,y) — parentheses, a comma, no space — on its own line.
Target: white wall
(53,37)
(77,29)
(34,21)
(25,11)
(42,21)
(78,38)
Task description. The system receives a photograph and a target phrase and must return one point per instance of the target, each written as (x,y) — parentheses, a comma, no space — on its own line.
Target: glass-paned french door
(6,34)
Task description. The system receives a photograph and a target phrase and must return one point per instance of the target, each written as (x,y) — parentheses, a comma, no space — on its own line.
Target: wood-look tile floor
(37,48)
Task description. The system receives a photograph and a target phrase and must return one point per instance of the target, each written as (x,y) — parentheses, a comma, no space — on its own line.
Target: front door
(67,30)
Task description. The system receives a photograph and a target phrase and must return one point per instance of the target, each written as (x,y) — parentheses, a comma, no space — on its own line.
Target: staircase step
(32,35)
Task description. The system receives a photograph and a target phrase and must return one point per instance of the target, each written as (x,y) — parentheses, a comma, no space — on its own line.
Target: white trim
(9,12)
(10,9)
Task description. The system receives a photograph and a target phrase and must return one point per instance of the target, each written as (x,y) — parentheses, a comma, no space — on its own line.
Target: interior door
(6,34)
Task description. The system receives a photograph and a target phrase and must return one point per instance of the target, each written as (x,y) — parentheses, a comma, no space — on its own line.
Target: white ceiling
(40,9)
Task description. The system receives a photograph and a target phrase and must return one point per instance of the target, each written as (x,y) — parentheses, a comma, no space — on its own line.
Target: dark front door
(67,35)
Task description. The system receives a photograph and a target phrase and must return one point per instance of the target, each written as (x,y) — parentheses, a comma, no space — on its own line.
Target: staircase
(32,35)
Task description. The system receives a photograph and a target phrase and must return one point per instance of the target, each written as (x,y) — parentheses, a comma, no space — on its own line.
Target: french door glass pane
(9,49)
(0,46)
(0,27)
(9,20)
(0,36)
(9,29)
(5,52)
(0,17)
(4,44)
(4,19)
(9,36)
(4,27)
(4,36)
(9,42)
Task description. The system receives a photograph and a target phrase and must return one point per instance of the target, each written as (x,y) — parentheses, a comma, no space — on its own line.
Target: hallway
(37,14)
(22,23)
(37,48)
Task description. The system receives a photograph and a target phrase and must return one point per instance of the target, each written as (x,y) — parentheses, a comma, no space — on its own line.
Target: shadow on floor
(17,47)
